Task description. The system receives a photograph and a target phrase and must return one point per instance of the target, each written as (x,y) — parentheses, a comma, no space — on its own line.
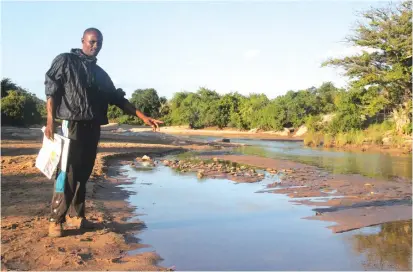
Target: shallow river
(213,224)
(379,165)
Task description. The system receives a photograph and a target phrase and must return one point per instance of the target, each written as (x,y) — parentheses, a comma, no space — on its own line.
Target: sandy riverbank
(258,135)
(25,207)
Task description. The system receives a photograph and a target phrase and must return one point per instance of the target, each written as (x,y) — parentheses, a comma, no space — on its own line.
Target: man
(78,92)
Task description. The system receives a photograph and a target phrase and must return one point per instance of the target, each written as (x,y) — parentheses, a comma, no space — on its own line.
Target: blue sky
(250,47)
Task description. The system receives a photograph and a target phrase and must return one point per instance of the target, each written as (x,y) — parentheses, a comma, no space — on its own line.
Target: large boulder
(327,118)
(284,132)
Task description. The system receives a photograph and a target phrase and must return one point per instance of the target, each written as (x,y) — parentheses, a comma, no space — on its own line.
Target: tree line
(380,90)
(19,107)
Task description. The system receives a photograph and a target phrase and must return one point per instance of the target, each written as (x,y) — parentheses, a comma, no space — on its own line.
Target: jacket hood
(78,52)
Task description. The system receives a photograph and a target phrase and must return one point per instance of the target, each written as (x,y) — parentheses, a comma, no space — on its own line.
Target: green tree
(325,97)
(20,109)
(248,109)
(274,115)
(147,101)
(384,68)
(164,107)
(175,115)
(208,107)
(114,112)
(348,115)
(227,110)
(299,105)
(6,85)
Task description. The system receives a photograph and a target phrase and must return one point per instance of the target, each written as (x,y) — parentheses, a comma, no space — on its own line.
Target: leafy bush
(340,139)
(313,123)
(313,139)
(129,120)
(328,140)
(407,129)
(21,109)
(343,122)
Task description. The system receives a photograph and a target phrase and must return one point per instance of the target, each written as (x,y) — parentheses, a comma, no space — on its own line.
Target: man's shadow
(93,227)
(127,228)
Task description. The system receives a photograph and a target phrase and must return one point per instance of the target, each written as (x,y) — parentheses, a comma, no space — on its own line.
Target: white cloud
(251,54)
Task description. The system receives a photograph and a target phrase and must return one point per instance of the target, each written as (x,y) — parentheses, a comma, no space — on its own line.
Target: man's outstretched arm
(130,109)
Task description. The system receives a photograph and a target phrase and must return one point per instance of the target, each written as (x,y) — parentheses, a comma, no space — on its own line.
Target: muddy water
(214,224)
(379,165)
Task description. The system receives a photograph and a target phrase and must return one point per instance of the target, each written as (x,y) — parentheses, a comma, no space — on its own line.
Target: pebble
(146,158)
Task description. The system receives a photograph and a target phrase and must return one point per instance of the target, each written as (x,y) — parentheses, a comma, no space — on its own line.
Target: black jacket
(81,89)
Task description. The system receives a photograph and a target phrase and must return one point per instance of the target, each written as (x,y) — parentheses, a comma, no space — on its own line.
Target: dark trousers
(82,154)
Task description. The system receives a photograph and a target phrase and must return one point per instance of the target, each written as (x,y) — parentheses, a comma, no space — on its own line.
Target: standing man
(78,92)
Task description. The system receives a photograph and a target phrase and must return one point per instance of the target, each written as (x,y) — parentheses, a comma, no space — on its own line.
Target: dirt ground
(25,201)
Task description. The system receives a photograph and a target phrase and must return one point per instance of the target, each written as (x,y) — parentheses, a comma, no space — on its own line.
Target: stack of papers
(51,153)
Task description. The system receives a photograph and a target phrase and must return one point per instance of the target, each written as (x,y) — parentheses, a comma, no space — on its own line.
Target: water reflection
(388,249)
(378,165)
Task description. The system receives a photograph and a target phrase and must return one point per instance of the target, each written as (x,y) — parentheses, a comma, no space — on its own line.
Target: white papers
(50,154)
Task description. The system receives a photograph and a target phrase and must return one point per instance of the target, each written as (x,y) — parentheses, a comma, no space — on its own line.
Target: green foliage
(7,85)
(383,75)
(249,111)
(164,107)
(130,120)
(354,137)
(377,138)
(114,112)
(386,126)
(397,141)
(20,109)
(328,140)
(348,115)
(198,110)
(273,116)
(408,129)
(326,94)
(228,107)
(340,140)
(313,139)
(147,101)
(313,123)
(299,105)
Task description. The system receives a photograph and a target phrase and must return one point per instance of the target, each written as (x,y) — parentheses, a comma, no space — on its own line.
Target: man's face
(92,43)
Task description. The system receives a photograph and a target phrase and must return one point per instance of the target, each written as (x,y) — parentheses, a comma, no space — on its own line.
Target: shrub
(341,139)
(313,139)
(328,140)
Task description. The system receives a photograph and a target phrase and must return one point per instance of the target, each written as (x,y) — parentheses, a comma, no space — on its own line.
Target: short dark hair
(92,29)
